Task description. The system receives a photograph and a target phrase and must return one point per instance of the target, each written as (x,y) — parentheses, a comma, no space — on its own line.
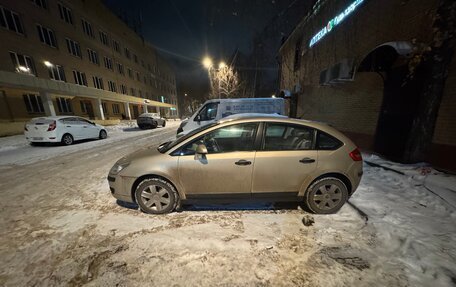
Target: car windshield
(169,145)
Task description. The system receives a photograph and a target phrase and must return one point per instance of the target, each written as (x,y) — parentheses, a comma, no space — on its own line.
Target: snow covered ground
(59,225)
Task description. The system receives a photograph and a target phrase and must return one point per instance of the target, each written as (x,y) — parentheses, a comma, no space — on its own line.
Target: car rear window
(41,121)
(327,142)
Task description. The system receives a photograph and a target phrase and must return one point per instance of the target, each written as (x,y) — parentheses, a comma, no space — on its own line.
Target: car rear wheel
(326,195)
(156,196)
(67,139)
(103,134)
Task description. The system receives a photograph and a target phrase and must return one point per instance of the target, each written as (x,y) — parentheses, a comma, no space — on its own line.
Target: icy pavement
(16,149)
(59,226)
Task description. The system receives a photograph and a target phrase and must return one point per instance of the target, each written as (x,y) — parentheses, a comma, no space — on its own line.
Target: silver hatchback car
(243,157)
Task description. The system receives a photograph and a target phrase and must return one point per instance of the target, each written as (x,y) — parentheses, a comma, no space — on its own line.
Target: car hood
(141,154)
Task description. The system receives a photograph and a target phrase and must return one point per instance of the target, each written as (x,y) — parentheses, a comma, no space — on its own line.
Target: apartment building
(61,57)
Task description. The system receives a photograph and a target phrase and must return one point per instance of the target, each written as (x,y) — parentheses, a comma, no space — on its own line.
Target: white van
(213,110)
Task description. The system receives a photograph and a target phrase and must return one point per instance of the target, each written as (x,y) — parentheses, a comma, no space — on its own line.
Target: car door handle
(85,127)
(307,160)
(243,162)
(68,126)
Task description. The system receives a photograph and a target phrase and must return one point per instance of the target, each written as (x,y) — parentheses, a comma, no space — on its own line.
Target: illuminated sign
(334,22)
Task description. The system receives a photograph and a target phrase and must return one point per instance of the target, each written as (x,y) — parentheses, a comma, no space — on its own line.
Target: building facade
(77,57)
(353,64)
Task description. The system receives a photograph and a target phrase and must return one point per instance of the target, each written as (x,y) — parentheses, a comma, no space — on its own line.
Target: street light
(207,62)
(222,65)
(48,64)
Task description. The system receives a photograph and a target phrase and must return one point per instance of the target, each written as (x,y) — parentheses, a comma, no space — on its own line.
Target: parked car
(150,120)
(214,110)
(64,129)
(247,157)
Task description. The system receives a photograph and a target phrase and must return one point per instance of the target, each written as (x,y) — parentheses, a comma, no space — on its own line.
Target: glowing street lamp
(222,65)
(48,64)
(207,62)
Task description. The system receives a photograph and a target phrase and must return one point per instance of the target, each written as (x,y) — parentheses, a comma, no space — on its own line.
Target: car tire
(103,134)
(67,139)
(164,123)
(326,195)
(156,196)
(154,125)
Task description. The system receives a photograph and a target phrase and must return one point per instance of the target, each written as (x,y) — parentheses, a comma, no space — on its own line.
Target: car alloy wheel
(67,139)
(326,195)
(156,196)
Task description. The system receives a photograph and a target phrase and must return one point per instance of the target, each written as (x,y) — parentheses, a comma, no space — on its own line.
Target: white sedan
(64,129)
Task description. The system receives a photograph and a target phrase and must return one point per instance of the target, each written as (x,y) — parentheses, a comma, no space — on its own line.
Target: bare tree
(224,82)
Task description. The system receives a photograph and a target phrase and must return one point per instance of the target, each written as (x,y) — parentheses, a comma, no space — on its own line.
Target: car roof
(58,117)
(241,99)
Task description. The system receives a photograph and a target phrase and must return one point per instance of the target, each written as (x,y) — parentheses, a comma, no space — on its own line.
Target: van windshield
(208,112)
(164,147)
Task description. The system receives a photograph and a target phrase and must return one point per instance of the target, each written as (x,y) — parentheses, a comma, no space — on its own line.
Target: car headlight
(118,167)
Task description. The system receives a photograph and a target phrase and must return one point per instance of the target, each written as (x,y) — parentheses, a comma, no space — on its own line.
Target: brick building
(77,57)
(348,63)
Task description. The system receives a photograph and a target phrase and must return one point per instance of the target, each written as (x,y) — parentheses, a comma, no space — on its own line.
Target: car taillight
(25,127)
(52,126)
(356,155)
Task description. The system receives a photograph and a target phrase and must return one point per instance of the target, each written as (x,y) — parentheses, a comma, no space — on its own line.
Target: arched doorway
(400,96)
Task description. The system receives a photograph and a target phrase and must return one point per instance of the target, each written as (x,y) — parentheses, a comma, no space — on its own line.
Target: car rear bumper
(52,139)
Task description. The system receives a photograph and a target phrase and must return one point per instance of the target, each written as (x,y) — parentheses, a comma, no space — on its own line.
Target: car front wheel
(156,196)
(103,134)
(326,195)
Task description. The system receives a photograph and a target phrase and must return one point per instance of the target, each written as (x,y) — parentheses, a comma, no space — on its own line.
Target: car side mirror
(201,149)
(198,118)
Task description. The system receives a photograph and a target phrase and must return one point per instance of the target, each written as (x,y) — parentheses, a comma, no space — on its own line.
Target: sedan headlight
(118,167)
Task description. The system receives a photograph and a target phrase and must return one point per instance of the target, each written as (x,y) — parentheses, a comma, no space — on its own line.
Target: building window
(73,48)
(104,38)
(40,3)
(145,80)
(120,69)
(130,73)
(93,56)
(123,89)
(47,36)
(127,53)
(105,108)
(116,46)
(83,107)
(135,57)
(138,77)
(112,86)
(33,103)
(108,63)
(133,92)
(115,109)
(23,64)
(140,93)
(87,28)
(10,20)
(56,73)
(79,78)
(98,82)
(64,105)
(66,14)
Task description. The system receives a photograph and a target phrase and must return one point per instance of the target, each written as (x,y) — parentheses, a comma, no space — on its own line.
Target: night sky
(185,31)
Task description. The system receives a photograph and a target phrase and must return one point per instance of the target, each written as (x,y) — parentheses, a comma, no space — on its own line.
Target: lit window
(33,103)
(23,64)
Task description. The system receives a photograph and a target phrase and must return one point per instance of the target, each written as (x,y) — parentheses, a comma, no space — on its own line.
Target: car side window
(279,136)
(327,142)
(208,112)
(239,137)
(69,121)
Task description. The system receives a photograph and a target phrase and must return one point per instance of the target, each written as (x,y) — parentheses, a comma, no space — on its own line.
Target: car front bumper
(120,187)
